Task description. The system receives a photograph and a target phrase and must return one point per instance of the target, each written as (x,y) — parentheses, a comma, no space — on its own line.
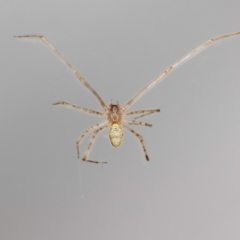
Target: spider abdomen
(115,134)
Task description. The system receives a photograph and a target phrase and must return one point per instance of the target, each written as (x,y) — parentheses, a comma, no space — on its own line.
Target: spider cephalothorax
(114,115)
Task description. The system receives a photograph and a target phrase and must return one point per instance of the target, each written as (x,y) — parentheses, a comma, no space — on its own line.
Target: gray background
(191,187)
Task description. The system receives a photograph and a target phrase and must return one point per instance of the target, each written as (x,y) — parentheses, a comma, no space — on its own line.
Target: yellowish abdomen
(115,134)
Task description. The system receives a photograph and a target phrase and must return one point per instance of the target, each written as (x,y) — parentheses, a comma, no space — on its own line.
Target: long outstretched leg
(76,73)
(90,144)
(138,123)
(84,134)
(145,113)
(170,68)
(140,139)
(65,104)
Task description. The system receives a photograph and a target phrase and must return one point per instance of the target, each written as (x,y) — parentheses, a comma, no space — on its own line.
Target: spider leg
(65,104)
(76,73)
(145,113)
(90,144)
(139,123)
(84,134)
(170,68)
(140,139)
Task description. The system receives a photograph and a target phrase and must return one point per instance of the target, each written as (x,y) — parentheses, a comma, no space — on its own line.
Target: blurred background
(190,189)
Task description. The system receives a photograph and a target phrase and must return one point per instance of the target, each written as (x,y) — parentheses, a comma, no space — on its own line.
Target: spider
(114,114)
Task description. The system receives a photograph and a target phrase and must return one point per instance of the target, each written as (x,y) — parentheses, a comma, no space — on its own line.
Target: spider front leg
(90,144)
(84,134)
(67,63)
(183,59)
(140,139)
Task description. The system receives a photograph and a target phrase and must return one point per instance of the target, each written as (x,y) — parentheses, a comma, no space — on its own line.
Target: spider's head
(114,113)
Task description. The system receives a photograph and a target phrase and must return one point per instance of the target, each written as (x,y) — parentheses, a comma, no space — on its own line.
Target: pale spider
(114,114)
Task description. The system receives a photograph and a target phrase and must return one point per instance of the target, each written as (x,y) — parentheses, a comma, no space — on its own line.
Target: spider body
(114,114)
